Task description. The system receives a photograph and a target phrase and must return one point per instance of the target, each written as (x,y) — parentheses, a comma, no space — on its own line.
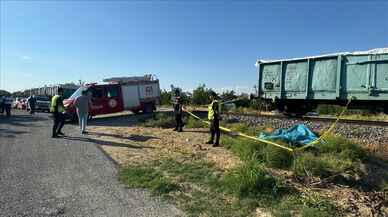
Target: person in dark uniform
(57,109)
(178,114)
(214,118)
(31,103)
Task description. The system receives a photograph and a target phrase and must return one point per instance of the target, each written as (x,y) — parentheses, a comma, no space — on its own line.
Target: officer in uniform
(57,109)
(178,114)
(214,118)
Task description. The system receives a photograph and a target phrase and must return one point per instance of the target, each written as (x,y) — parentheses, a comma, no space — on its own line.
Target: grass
(201,190)
(167,120)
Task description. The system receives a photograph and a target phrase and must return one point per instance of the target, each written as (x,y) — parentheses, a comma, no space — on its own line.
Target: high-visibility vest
(211,110)
(54,102)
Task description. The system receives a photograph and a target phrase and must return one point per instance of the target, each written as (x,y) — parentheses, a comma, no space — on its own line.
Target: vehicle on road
(118,94)
(42,103)
(299,85)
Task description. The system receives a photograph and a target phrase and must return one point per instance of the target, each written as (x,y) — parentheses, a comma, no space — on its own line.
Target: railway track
(315,118)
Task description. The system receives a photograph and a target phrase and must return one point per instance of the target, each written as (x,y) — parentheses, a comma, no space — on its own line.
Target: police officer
(7,104)
(57,109)
(178,114)
(31,103)
(214,118)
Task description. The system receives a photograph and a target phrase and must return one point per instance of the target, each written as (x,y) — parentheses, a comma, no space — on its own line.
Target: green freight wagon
(299,85)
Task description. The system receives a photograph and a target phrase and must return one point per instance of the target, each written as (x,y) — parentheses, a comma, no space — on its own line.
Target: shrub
(277,157)
(244,148)
(250,179)
(346,148)
(194,123)
(322,165)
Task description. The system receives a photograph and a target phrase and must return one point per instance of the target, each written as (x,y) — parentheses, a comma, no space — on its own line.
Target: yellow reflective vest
(211,110)
(54,104)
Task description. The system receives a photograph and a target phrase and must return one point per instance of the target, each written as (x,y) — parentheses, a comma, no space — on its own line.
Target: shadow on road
(104,142)
(136,138)
(119,120)
(23,120)
(7,133)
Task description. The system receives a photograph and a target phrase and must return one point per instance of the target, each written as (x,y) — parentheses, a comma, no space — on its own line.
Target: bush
(250,179)
(344,147)
(201,95)
(244,148)
(194,123)
(322,165)
(277,157)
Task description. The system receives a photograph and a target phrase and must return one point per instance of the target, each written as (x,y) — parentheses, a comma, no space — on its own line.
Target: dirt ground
(137,145)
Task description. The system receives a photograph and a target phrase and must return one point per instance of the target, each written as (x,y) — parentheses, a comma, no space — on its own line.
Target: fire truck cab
(127,93)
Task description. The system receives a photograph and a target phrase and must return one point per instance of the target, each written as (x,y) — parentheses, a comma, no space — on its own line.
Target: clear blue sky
(182,43)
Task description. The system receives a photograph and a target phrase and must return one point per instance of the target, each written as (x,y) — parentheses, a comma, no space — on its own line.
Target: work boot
(216,145)
(54,136)
(60,133)
(209,142)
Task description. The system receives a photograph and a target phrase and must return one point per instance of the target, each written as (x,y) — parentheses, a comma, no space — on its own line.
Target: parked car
(42,104)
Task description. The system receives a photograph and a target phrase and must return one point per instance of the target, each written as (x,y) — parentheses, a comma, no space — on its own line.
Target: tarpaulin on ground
(297,135)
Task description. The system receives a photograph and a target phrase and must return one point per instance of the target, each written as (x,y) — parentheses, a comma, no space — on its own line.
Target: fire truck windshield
(77,93)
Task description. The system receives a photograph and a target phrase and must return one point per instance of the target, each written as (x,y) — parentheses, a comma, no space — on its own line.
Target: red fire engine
(118,94)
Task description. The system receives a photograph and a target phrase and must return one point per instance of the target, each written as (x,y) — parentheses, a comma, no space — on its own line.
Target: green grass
(251,179)
(161,120)
(148,177)
(194,123)
(202,190)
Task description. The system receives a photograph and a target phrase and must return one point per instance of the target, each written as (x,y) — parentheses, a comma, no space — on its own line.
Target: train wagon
(298,85)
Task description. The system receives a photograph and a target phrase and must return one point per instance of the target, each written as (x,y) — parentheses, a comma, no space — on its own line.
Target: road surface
(42,176)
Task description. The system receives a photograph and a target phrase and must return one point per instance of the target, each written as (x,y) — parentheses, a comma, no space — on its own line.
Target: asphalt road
(41,176)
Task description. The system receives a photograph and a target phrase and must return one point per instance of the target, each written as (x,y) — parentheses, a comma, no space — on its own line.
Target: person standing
(214,118)
(82,105)
(57,109)
(178,114)
(7,104)
(32,103)
(2,104)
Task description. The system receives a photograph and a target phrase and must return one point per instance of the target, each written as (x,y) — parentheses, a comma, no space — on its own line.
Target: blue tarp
(296,135)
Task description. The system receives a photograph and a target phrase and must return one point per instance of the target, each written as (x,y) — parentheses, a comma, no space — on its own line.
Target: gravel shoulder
(71,176)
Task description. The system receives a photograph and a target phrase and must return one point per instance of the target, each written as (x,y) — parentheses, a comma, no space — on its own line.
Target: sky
(185,43)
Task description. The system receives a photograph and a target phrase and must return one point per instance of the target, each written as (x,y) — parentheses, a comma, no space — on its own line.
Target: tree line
(201,96)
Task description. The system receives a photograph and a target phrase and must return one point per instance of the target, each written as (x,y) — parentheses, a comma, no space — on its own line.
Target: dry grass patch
(138,145)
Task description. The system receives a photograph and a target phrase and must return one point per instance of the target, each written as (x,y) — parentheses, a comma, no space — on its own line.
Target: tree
(4,92)
(165,97)
(201,95)
(228,95)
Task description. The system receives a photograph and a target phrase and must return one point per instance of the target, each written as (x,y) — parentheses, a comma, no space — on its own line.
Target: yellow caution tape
(274,143)
(242,134)
(331,128)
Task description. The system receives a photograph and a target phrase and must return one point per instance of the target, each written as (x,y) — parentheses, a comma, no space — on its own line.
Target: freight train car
(299,85)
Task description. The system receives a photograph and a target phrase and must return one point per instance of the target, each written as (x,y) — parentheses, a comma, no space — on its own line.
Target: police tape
(326,132)
(242,134)
(316,141)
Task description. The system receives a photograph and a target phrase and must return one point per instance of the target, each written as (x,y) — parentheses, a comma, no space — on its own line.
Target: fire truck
(118,94)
